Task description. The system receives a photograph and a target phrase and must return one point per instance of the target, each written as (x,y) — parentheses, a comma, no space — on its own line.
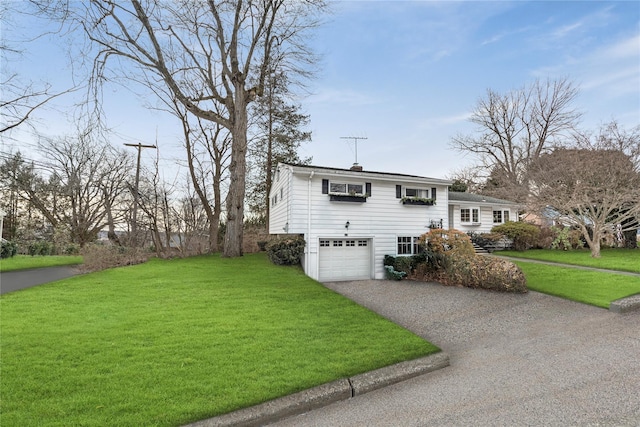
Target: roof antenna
(355,141)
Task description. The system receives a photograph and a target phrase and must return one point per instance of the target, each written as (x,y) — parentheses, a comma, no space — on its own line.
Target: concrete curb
(325,394)
(625,305)
(388,375)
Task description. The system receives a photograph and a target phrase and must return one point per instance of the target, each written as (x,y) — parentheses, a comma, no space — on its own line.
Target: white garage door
(344,259)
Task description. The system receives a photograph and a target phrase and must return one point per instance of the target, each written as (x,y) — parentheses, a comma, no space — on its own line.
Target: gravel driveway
(526,359)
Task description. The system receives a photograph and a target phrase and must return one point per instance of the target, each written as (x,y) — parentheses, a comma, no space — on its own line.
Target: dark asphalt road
(16,280)
(516,360)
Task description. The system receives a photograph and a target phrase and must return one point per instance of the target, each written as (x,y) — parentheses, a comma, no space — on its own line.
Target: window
(506,216)
(497,217)
(465,215)
(407,245)
(416,192)
(337,243)
(362,243)
(344,188)
(324,243)
(470,215)
(350,243)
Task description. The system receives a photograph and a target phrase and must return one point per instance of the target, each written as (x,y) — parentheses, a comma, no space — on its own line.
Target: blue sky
(406,75)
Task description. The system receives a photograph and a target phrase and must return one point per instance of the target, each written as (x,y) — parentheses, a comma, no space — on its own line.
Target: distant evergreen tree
(278,131)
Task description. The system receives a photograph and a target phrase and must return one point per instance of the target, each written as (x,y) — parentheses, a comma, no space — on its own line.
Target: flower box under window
(418,201)
(357,198)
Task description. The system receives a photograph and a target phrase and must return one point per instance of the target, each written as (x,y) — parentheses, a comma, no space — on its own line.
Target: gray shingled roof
(477,198)
(370,173)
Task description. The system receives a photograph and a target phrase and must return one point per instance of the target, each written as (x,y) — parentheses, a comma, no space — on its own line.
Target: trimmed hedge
(450,259)
(286,251)
(488,273)
(523,234)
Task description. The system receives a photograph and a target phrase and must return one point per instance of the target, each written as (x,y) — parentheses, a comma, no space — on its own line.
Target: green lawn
(614,259)
(173,341)
(23,262)
(590,287)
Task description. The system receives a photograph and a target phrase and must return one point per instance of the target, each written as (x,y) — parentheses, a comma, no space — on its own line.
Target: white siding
(486,217)
(381,218)
(279,212)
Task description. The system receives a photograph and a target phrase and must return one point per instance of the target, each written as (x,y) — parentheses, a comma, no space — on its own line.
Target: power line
(136,196)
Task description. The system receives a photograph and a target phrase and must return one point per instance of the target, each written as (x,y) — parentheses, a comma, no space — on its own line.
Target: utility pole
(134,220)
(355,141)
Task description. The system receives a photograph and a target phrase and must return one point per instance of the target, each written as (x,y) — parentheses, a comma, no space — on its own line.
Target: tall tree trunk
(111,234)
(594,242)
(214,225)
(234,234)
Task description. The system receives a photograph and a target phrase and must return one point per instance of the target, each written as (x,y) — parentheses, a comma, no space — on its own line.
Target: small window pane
(465,215)
(324,243)
(350,243)
(362,243)
(355,189)
(337,243)
(416,192)
(338,188)
(476,216)
(497,217)
(506,216)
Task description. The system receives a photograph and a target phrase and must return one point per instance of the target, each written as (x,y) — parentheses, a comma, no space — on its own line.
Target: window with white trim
(350,243)
(408,245)
(421,193)
(337,243)
(470,215)
(500,217)
(324,243)
(465,215)
(363,243)
(345,188)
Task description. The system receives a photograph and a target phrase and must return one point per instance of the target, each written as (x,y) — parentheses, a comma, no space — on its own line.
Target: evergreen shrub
(8,249)
(286,251)
(523,234)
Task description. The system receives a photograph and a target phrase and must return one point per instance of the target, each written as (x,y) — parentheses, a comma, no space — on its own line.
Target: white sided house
(479,214)
(351,218)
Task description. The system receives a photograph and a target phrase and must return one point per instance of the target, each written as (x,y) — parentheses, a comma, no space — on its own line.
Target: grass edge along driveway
(585,286)
(24,262)
(611,259)
(174,341)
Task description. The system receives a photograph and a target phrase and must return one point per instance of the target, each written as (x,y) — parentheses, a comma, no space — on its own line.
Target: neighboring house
(351,219)
(477,213)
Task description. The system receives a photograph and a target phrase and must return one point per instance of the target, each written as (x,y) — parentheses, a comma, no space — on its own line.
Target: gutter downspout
(306,259)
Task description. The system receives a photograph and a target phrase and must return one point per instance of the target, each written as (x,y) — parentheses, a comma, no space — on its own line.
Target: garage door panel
(344,259)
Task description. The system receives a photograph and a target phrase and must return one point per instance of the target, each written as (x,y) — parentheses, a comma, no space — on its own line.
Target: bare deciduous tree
(215,143)
(205,52)
(592,188)
(86,181)
(515,128)
(19,98)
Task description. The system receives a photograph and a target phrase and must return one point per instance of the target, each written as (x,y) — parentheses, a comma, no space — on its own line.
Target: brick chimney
(356,167)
